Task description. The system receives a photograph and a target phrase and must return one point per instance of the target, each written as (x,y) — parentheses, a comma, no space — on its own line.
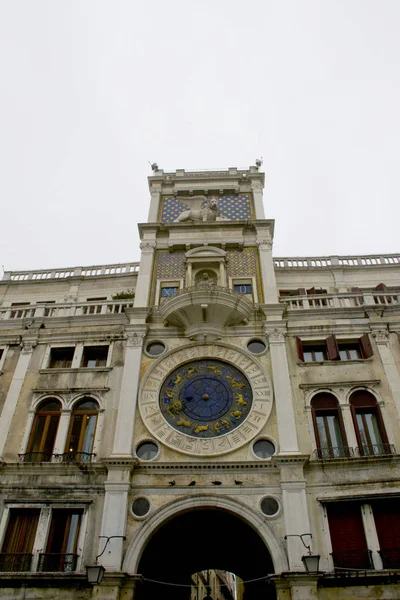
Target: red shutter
(355,290)
(381,287)
(387,521)
(300,352)
(346,527)
(366,346)
(311,291)
(332,348)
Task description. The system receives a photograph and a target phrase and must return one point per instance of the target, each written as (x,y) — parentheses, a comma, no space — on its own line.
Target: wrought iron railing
(76,457)
(390,558)
(66,457)
(15,562)
(375,450)
(57,563)
(31,457)
(353,559)
(334,452)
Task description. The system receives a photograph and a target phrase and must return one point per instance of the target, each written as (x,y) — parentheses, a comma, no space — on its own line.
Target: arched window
(81,431)
(44,430)
(328,427)
(368,423)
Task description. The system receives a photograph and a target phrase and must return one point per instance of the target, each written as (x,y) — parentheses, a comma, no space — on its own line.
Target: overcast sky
(91,90)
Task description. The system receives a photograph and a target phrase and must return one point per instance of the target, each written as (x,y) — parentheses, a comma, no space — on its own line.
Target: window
(368,423)
(389,299)
(387,522)
(44,430)
(81,431)
(95,356)
(243,286)
(168,289)
(263,449)
(16,552)
(328,427)
(147,451)
(62,542)
(349,546)
(48,311)
(21,310)
(332,349)
(155,348)
(61,358)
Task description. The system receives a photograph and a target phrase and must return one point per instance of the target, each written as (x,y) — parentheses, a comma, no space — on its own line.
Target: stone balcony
(345,300)
(205,311)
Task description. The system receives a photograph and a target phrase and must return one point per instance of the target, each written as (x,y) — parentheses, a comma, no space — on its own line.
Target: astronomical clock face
(205,400)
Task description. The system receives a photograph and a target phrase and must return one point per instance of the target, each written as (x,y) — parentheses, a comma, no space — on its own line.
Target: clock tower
(206,404)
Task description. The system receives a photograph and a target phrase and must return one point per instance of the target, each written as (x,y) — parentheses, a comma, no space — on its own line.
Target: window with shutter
(331,349)
(368,424)
(349,546)
(387,523)
(16,552)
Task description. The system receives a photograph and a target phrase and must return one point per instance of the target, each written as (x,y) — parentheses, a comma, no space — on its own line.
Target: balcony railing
(92,271)
(15,562)
(341,300)
(61,563)
(375,450)
(353,559)
(358,452)
(390,558)
(334,452)
(323,262)
(66,457)
(65,310)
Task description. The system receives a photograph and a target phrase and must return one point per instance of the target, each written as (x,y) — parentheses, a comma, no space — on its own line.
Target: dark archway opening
(199,540)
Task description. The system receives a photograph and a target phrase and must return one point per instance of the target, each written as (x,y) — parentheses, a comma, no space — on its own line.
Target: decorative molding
(340,384)
(265,244)
(27,346)
(147,246)
(135,340)
(381,336)
(275,336)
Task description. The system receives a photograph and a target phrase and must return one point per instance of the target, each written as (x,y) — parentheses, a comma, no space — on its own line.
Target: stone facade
(210,403)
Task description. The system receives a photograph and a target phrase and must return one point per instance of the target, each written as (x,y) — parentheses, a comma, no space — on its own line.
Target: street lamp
(95,572)
(310,560)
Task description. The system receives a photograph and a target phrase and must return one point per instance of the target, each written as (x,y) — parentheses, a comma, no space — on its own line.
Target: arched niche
(208,259)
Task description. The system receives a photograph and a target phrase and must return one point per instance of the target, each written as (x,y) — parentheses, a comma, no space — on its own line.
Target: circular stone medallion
(206,398)
(198,401)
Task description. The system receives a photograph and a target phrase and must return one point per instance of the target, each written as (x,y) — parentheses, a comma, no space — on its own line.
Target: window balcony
(15,562)
(206,310)
(338,452)
(66,457)
(375,450)
(334,452)
(390,558)
(57,563)
(353,559)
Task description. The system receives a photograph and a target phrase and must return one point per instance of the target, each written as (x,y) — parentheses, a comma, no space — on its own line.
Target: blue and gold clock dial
(205,398)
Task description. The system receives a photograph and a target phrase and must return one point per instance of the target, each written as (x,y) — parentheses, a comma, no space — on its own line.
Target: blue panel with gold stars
(205,398)
(234,207)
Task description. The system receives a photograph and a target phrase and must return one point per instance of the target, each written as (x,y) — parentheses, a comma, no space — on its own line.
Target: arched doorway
(200,539)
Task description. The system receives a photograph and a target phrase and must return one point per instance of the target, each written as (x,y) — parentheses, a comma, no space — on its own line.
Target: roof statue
(200,208)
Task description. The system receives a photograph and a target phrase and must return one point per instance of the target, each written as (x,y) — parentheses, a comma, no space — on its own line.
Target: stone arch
(233,507)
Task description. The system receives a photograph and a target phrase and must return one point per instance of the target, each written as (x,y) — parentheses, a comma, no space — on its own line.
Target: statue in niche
(201,209)
(206,279)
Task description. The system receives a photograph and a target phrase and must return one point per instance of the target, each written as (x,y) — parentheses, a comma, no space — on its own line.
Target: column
(14,391)
(62,432)
(222,277)
(267,270)
(155,194)
(115,513)
(371,535)
(349,425)
(257,190)
(123,438)
(189,270)
(143,284)
(389,366)
(283,392)
(295,511)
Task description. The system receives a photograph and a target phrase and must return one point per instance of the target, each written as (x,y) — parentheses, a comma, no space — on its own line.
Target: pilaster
(288,443)
(14,391)
(143,285)
(381,335)
(264,243)
(123,438)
